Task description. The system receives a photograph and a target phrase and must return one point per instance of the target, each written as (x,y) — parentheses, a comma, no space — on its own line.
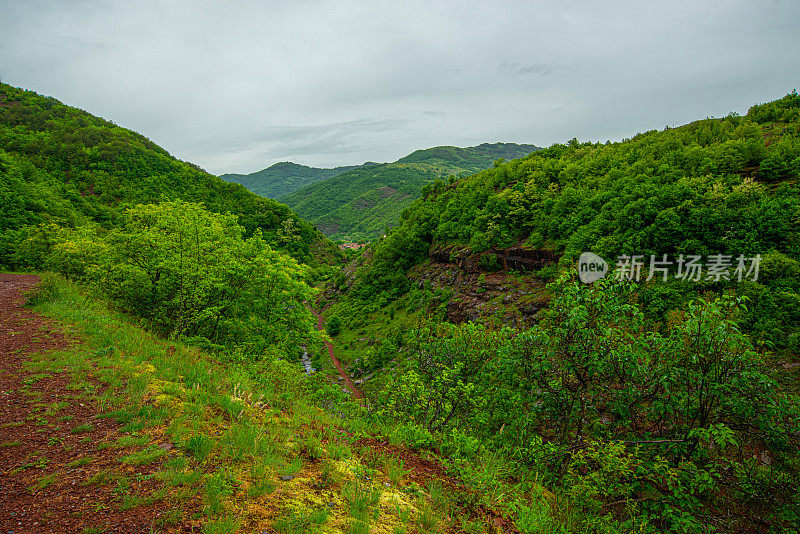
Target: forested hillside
(504,393)
(62,166)
(363,203)
(660,398)
(716,186)
(284,178)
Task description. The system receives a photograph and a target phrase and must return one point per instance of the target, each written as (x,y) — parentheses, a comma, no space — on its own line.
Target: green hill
(625,379)
(716,186)
(285,178)
(62,165)
(363,203)
(625,405)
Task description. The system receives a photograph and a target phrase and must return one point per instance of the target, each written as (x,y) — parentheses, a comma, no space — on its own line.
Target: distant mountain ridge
(286,177)
(361,204)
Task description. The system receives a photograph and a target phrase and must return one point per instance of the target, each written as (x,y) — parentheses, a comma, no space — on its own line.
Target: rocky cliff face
(499,285)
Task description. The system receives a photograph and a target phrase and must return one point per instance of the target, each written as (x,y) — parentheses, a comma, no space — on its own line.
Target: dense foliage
(191,273)
(285,178)
(631,406)
(716,186)
(363,203)
(667,429)
(62,165)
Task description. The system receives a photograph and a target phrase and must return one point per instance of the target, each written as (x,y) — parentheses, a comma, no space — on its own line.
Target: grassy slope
(61,164)
(237,430)
(365,202)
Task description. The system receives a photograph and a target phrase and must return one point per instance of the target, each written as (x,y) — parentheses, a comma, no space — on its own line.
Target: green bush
(46,290)
(192,274)
(334,326)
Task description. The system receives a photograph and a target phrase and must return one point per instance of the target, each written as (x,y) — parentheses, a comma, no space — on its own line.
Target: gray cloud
(299,142)
(238,86)
(521,69)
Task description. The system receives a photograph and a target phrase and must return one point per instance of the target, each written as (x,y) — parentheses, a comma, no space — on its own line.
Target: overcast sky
(238,86)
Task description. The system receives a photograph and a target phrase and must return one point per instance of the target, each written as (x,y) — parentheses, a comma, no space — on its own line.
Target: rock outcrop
(499,285)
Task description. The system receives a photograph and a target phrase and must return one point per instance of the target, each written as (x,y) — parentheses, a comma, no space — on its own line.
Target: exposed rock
(511,293)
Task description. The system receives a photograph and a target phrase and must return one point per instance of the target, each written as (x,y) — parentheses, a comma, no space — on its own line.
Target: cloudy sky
(237,86)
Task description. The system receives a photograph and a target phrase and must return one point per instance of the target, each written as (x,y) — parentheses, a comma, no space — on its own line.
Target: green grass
(100,478)
(82,428)
(131,501)
(244,439)
(188,477)
(302,521)
(169,517)
(535,518)
(178,471)
(339,451)
(222,526)
(362,500)
(132,441)
(428,518)
(80,462)
(292,468)
(217,488)
(42,483)
(200,446)
(395,471)
(53,408)
(35,378)
(227,452)
(262,476)
(145,456)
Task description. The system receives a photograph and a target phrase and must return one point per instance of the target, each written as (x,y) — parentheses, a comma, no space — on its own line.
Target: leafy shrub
(46,290)
(334,326)
(192,274)
(413,436)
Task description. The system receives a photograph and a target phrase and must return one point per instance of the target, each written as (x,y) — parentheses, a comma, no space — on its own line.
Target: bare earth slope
(51,437)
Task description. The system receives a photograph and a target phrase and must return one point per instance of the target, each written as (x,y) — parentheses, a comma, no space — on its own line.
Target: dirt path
(53,447)
(348,382)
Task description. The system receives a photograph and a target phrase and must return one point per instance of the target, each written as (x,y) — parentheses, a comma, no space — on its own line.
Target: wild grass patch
(362,500)
(218,487)
(43,482)
(262,476)
(310,521)
(80,462)
(200,446)
(292,468)
(145,456)
(339,451)
(222,525)
(395,470)
(100,478)
(132,440)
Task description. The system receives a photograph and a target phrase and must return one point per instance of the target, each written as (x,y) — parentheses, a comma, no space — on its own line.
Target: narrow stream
(307,361)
